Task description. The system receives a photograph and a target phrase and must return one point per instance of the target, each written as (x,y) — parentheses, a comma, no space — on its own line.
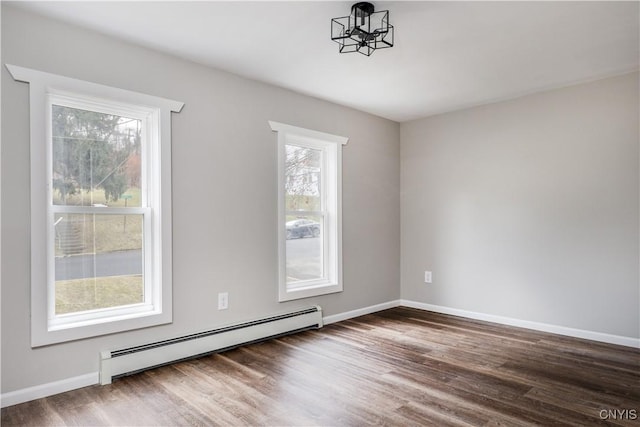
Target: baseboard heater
(114,364)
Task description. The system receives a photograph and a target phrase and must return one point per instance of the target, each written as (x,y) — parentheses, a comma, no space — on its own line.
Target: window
(309,212)
(100,208)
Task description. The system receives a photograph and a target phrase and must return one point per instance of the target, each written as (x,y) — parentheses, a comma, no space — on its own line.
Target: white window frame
(331,210)
(47,89)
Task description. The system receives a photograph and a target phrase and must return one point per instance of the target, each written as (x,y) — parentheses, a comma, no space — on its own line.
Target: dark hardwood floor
(398,367)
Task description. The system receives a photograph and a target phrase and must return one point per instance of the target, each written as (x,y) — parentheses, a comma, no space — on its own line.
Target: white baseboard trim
(44,390)
(359,312)
(544,327)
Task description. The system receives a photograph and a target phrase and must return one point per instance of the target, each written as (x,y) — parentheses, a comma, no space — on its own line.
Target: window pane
(304,248)
(302,178)
(96,158)
(99,262)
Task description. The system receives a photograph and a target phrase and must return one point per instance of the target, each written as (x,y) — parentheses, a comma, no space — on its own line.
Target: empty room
(326,213)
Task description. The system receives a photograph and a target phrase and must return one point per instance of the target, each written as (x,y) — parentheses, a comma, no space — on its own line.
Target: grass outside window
(94,293)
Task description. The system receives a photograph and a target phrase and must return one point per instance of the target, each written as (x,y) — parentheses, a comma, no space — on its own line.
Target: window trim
(41,84)
(331,145)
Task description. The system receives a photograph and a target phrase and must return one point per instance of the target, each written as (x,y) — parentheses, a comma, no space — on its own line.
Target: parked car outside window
(300,228)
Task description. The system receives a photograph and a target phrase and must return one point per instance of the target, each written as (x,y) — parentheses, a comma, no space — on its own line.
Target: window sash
(324,255)
(322,181)
(147,116)
(150,292)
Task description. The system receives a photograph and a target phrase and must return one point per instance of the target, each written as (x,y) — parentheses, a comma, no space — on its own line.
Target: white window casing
(45,90)
(329,212)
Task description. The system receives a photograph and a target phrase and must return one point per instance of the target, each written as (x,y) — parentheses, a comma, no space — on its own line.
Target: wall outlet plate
(427,277)
(223,300)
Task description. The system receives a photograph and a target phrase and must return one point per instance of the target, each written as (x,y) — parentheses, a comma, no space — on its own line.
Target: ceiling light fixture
(363,31)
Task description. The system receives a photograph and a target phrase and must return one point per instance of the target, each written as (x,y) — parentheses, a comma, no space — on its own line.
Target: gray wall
(224,192)
(528,208)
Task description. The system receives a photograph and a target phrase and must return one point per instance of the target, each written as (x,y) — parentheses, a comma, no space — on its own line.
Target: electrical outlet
(223,300)
(427,277)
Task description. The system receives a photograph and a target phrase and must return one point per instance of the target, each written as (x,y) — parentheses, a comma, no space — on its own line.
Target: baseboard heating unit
(114,364)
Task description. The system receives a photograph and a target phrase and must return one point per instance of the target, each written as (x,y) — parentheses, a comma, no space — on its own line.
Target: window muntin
(149,211)
(309,212)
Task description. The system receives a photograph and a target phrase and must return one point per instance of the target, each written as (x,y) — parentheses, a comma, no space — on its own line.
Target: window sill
(309,291)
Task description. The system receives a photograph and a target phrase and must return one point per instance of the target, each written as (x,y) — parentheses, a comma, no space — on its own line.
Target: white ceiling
(448,55)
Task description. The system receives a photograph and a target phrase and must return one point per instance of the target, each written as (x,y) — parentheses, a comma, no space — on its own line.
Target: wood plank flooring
(398,367)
